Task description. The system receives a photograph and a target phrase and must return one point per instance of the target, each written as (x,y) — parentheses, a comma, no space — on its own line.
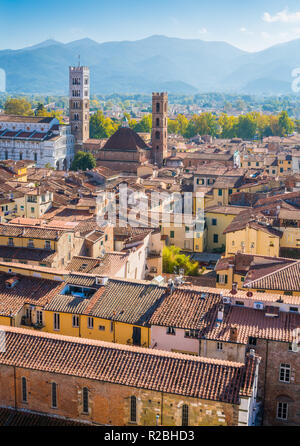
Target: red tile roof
(173,373)
(188,309)
(28,290)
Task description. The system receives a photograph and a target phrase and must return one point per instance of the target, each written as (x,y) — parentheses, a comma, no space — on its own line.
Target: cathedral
(48,143)
(126,150)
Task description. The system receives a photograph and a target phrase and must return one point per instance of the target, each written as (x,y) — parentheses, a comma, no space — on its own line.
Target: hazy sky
(250,25)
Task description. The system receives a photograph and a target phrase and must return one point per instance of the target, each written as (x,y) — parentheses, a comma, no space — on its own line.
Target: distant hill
(155,63)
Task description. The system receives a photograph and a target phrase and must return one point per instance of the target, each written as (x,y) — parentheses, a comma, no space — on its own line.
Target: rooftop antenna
(79,60)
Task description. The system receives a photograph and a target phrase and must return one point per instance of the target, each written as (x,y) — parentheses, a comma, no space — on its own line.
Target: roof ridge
(120,347)
(274,272)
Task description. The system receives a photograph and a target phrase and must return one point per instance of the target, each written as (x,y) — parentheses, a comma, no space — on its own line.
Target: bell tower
(79,102)
(159,127)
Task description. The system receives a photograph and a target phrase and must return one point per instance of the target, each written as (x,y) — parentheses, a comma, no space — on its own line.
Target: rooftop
(173,373)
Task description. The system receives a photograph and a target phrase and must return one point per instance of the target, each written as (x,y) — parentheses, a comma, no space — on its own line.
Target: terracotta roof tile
(173,373)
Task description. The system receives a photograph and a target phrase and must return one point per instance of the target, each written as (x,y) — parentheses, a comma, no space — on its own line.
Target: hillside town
(160,286)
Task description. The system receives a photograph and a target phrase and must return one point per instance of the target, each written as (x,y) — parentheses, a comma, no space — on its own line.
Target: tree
(227,126)
(173,260)
(15,106)
(144,125)
(83,161)
(101,127)
(285,124)
(173,126)
(246,126)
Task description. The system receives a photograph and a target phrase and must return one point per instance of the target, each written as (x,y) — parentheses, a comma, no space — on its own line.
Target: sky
(250,25)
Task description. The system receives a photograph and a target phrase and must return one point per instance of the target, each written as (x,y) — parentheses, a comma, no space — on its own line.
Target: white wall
(170,342)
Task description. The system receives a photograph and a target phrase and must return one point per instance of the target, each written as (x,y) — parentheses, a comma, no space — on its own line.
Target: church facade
(40,139)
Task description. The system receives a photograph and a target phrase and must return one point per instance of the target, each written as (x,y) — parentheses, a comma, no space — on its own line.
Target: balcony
(153,254)
(27,322)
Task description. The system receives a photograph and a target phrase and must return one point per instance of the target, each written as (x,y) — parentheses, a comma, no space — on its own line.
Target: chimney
(233,334)
(252,353)
(220,316)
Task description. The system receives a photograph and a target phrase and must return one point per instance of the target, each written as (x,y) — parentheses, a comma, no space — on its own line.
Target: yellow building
(217,220)
(104,309)
(37,245)
(253,238)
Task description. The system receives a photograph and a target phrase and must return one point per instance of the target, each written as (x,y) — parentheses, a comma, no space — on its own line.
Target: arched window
(185,415)
(157,107)
(157,135)
(133,409)
(157,122)
(24,390)
(54,395)
(85,400)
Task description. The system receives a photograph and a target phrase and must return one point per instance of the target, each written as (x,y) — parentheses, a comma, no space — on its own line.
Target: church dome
(125,139)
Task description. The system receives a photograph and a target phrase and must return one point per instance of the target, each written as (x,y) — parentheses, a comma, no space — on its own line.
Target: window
(239,303)
(85,400)
(30,243)
(39,317)
(172,234)
(54,395)
(35,157)
(10,241)
(111,326)
(90,322)
(157,107)
(21,156)
(230,191)
(220,192)
(133,409)
(75,321)
(285,373)
(294,309)
(222,278)
(185,415)
(32,210)
(219,346)
(216,238)
(24,390)
(171,331)
(191,334)
(101,328)
(214,222)
(56,321)
(252,341)
(282,411)
(157,135)
(47,244)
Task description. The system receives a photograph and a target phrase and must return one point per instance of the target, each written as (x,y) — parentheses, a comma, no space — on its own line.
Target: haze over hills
(155,63)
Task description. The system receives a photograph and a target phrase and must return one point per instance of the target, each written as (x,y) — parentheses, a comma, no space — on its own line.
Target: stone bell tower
(79,103)
(159,127)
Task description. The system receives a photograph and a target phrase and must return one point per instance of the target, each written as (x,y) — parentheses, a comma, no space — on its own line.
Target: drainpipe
(15,387)
(162,409)
(265,384)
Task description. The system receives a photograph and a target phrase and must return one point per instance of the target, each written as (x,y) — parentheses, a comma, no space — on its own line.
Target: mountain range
(157,63)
